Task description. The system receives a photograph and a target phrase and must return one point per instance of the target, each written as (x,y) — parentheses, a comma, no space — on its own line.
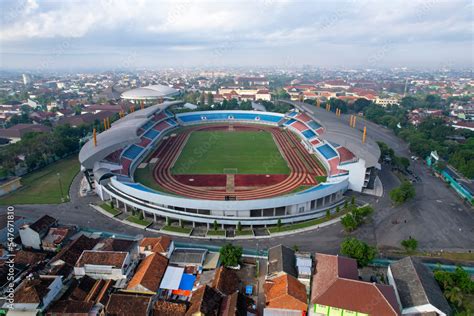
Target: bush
(403,193)
(239,226)
(410,244)
(215,225)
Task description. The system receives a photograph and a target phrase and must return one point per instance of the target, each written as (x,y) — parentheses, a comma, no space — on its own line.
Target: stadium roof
(149,92)
(342,134)
(122,133)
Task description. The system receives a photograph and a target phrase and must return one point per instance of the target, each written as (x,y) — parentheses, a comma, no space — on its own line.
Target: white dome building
(149,94)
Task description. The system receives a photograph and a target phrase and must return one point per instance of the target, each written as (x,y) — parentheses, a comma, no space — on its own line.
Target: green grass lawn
(218,232)
(210,152)
(106,207)
(135,219)
(145,177)
(313,222)
(177,229)
(42,186)
(244,233)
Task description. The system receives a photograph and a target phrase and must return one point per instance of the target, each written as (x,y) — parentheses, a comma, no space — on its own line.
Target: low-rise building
(149,274)
(32,235)
(55,238)
(130,305)
(416,289)
(103,264)
(34,295)
(337,290)
(285,292)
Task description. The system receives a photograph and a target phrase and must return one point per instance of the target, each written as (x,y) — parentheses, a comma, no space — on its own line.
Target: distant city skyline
(119,34)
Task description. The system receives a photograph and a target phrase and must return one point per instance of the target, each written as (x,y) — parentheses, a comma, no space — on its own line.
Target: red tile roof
(149,273)
(156,244)
(335,283)
(286,292)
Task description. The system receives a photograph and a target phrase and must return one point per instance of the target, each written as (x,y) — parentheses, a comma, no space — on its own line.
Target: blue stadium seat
(308,134)
(132,152)
(313,125)
(290,122)
(151,134)
(327,151)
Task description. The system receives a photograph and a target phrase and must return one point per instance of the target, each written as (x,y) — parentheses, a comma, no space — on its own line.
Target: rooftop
(156,244)
(105,258)
(165,308)
(149,273)
(126,304)
(226,281)
(149,92)
(416,285)
(42,225)
(336,280)
(285,291)
(282,259)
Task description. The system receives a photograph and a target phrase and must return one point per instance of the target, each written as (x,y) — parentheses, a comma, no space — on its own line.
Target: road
(437,217)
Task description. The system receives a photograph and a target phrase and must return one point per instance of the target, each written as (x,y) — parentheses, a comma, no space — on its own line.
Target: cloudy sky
(115,34)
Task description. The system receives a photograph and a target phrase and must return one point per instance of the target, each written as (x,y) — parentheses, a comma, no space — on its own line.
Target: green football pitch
(221,152)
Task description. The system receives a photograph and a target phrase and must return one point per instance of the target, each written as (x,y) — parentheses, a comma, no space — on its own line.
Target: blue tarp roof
(187,282)
(249,289)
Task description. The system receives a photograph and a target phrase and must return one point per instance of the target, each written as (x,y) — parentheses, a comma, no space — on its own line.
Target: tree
(360,104)
(358,250)
(230,255)
(403,193)
(328,214)
(279,223)
(202,99)
(210,98)
(410,244)
(239,226)
(338,209)
(349,222)
(215,225)
(353,200)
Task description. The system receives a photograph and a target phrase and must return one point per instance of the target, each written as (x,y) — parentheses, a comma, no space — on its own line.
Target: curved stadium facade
(320,170)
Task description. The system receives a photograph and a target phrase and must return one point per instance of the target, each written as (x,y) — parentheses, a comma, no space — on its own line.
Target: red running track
(302,165)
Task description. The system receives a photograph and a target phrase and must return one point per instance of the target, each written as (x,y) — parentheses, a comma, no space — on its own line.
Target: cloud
(245,27)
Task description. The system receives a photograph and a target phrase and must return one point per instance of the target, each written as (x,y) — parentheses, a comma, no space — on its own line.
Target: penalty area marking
(142,165)
(154,160)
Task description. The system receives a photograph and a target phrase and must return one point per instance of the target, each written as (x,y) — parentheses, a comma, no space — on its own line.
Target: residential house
(416,289)
(85,297)
(337,290)
(163,245)
(285,292)
(149,274)
(63,263)
(129,305)
(281,259)
(113,265)
(205,301)
(55,238)
(16,132)
(34,295)
(32,235)
(226,281)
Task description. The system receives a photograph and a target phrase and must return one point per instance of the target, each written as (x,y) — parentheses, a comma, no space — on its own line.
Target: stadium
(231,167)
